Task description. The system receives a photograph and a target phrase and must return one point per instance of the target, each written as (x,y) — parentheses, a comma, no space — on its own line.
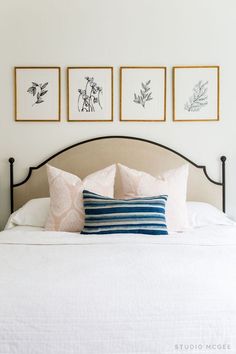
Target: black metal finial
(223,158)
(11,160)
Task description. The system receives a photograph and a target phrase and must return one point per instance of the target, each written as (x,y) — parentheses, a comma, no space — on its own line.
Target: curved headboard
(91,155)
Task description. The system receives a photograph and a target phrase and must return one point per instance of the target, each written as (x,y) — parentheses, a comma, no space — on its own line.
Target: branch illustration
(145,95)
(39,89)
(199,99)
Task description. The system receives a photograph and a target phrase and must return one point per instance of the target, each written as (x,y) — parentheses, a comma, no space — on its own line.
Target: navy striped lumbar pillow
(105,215)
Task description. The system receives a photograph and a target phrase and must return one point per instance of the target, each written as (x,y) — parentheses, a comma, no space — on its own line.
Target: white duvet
(66,293)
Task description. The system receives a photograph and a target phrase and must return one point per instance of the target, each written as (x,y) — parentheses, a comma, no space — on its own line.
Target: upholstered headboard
(88,156)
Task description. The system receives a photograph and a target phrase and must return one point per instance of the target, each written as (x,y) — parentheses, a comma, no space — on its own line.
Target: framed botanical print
(37,94)
(143,94)
(90,94)
(196,93)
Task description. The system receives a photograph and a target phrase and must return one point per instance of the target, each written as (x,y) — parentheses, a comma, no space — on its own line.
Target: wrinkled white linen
(66,293)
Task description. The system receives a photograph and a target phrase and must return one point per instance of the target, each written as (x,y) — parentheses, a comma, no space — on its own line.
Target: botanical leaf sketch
(145,94)
(199,98)
(38,90)
(89,99)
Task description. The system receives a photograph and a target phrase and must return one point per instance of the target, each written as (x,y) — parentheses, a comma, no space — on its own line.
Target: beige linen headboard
(88,156)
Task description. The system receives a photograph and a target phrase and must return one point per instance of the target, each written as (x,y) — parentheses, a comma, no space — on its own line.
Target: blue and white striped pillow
(105,215)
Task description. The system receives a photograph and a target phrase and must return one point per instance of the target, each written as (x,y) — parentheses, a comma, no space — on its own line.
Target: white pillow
(173,183)
(33,213)
(203,214)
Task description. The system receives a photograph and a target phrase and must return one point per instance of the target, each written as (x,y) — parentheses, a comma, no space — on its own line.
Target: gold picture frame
(91,104)
(25,85)
(199,87)
(136,115)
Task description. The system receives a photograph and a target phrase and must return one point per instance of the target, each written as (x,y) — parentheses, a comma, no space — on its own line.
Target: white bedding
(26,228)
(72,294)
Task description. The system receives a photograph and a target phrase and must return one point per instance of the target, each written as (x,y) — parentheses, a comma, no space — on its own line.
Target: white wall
(117,32)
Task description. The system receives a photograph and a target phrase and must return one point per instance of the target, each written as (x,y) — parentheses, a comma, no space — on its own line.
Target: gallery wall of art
(109,33)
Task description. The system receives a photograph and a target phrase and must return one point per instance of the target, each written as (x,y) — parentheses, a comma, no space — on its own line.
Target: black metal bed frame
(12,160)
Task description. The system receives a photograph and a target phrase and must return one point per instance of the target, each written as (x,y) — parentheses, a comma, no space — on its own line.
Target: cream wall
(121,32)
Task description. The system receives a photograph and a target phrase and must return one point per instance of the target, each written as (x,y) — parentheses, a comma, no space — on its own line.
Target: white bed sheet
(26,228)
(67,293)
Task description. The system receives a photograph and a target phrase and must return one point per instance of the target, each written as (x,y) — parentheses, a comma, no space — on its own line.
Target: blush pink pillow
(66,199)
(173,183)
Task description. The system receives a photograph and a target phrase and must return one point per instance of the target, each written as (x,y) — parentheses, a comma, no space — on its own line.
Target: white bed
(118,294)
(66,293)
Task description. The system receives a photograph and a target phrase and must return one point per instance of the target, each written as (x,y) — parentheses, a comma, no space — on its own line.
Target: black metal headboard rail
(222,158)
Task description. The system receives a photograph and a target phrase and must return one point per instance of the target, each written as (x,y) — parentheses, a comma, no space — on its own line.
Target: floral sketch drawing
(145,94)
(199,99)
(39,91)
(89,98)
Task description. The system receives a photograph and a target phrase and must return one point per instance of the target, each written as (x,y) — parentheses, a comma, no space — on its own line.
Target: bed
(64,292)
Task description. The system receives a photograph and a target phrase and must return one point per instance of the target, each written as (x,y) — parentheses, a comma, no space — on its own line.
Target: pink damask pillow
(173,183)
(66,196)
